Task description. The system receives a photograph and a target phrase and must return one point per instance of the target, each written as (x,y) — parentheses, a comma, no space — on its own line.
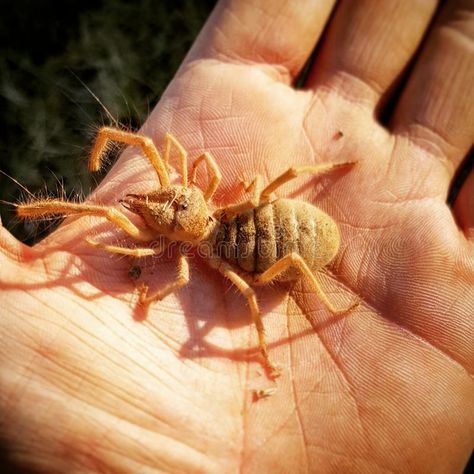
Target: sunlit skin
(91,380)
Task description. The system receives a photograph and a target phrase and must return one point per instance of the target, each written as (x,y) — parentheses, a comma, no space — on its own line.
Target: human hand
(90,382)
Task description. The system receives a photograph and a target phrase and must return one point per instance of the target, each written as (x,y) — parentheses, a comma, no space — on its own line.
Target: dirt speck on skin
(263,393)
(134,272)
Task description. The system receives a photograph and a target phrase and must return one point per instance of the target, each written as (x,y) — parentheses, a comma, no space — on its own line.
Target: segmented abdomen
(258,238)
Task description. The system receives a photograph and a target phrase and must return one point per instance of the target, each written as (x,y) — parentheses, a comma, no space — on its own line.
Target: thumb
(11,251)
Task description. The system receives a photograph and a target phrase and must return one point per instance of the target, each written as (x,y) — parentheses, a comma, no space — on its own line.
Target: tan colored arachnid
(252,243)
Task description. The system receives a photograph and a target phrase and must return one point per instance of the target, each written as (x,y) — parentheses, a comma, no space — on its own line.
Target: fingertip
(10,246)
(278,34)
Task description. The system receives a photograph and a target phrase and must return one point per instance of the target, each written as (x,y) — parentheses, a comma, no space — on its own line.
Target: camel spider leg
(295,260)
(182,280)
(260,194)
(213,168)
(131,252)
(227,271)
(295,171)
(255,187)
(171,140)
(107,134)
(56,207)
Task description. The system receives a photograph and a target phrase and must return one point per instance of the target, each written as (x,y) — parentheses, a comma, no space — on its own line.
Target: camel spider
(251,243)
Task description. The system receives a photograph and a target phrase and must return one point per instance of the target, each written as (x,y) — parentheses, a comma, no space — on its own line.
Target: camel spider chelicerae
(250,243)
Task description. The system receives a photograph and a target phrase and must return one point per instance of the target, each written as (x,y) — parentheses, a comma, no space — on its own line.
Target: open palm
(93,381)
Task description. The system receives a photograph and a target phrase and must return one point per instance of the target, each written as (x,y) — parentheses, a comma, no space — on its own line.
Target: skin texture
(92,382)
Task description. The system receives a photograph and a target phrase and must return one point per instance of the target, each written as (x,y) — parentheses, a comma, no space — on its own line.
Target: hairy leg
(295,171)
(131,252)
(171,140)
(56,207)
(213,170)
(255,187)
(108,134)
(295,260)
(227,271)
(181,280)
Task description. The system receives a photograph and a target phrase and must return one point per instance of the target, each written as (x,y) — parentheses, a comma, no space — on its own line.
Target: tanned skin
(91,381)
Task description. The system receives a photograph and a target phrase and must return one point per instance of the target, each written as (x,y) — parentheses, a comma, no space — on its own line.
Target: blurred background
(54,57)
(62,63)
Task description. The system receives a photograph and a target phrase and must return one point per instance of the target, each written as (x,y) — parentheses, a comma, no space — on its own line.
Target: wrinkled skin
(92,382)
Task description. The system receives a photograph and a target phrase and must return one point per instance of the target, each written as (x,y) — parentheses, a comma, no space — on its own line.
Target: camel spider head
(176,212)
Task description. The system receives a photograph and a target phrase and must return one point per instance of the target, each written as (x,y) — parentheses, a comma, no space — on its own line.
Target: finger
(436,110)
(10,247)
(464,206)
(277,34)
(13,254)
(368,45)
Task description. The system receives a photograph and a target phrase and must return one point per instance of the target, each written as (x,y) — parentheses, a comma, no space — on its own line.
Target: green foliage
(51,54)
